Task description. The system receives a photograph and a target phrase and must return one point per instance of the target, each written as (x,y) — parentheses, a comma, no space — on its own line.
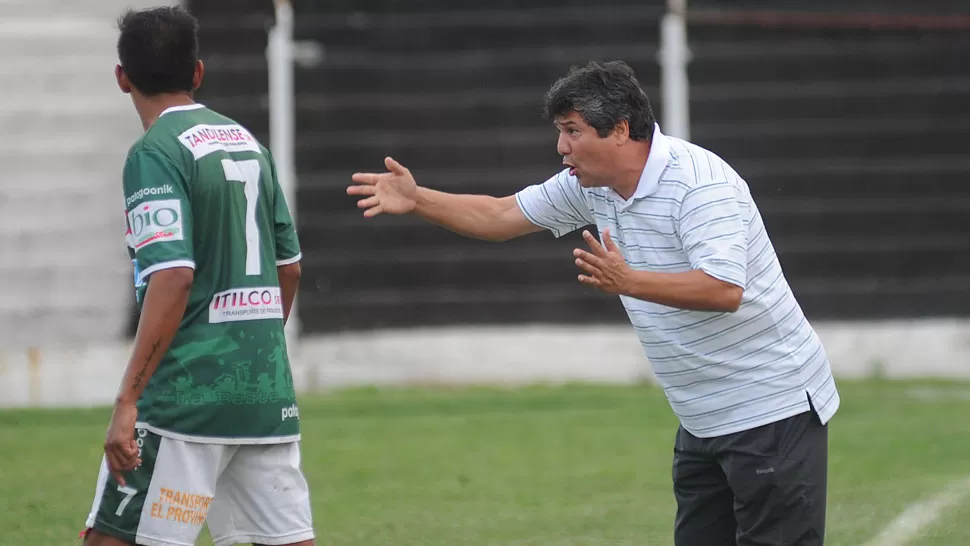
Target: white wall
(87,375)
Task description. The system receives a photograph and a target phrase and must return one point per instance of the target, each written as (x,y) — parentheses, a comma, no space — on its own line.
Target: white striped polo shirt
(721,372)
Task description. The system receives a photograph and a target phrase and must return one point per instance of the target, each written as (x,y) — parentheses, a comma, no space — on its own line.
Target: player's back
(201,192)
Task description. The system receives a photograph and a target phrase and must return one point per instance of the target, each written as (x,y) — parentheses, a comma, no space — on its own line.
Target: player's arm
(288,254)
(478,216)
(165,301)
(159,220)
(289,276)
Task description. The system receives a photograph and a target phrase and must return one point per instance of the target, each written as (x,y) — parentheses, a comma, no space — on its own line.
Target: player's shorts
(246,494)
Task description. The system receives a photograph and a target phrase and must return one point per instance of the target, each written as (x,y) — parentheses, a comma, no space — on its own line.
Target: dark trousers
(759,487)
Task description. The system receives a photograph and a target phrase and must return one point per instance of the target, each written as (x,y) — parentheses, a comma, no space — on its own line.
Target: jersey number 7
(248,173)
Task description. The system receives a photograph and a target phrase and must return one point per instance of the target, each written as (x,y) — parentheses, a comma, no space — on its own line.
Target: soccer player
(205,427)
(684,246)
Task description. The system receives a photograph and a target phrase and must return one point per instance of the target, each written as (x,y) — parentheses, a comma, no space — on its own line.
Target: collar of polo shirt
(656,163)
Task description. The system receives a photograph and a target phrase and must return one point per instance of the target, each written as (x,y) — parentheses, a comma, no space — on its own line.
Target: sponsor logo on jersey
(154,222)
(202,140)
(246,304)
(145,192)
(290,412)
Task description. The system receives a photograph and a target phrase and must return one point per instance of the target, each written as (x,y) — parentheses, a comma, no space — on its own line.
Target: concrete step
(54,182)
(99,98)
(97,254)
(58,35)
(46,327)
(62,162)
(107,10)
(50,103)
(73,211)
(71,286)
(68,64)
(49,147)
(68,82)
(63,262)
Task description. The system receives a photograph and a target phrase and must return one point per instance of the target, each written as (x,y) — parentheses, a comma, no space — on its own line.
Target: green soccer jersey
(201,192)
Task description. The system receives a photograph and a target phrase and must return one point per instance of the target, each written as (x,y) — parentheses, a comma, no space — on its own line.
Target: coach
(684,246)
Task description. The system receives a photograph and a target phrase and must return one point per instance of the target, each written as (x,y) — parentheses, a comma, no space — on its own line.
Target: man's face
(589,157)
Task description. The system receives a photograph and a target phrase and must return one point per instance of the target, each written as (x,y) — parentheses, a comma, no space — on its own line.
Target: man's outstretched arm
(477,216)
(483,217)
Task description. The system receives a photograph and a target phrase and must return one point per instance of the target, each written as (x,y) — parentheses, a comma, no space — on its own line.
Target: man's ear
(198,74)
(621,133)
(123,83)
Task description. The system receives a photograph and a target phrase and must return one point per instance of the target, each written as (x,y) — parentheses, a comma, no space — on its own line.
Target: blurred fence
(850,128)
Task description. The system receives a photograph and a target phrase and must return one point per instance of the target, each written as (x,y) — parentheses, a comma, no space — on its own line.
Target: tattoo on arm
(140,377)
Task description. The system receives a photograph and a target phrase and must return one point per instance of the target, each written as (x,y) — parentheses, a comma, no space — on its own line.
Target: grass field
(573,465)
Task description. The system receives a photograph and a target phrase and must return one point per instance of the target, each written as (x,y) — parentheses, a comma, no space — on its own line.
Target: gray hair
(604,94)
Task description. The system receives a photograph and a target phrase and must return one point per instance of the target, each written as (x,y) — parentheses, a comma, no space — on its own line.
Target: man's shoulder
(696,164)
(144,146)
(694,167)
(153,148)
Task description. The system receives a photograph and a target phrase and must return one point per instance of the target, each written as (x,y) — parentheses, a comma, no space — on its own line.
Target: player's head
(158,50)
(599,109)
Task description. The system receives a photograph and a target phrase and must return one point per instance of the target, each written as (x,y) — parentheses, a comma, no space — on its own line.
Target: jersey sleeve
(713,231)
(558,204)
(159,214)
(287,242)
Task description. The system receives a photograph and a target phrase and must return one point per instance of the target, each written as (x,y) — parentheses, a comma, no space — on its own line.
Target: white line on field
(920,515)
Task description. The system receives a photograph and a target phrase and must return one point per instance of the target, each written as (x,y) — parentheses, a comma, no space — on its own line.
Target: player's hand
(120,447)
(605,267)
(393,192)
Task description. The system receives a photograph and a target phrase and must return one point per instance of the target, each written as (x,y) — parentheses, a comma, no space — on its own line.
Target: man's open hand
(605,267)
(393,192)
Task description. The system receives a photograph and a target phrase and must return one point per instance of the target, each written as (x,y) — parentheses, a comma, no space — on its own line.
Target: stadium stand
(66,129)
(850,129)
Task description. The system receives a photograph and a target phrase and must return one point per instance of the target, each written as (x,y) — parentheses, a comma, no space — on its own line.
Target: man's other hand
(605,267)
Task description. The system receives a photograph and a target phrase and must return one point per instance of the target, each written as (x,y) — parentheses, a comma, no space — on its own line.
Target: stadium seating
(66,129)
(852,139)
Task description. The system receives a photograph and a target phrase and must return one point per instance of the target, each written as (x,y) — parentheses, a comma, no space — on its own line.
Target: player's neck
(150,108)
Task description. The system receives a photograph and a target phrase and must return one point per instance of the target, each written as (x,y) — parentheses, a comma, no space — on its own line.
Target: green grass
(573,465)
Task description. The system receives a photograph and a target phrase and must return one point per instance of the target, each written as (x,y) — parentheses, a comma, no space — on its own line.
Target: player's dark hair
(158,49)
(604,94)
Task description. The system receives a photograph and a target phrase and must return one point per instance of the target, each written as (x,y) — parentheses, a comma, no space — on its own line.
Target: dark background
(851,129)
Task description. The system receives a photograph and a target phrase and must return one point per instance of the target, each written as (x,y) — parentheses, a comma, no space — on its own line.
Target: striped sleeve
(713,231)
(558,204)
